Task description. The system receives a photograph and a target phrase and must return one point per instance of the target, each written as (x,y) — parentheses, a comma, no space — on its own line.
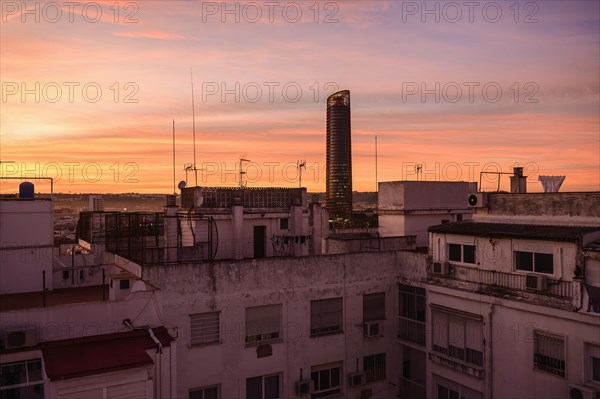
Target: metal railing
(516,281)
(411,330)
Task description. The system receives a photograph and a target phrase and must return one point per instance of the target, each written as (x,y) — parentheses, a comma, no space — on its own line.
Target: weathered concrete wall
(545,204)
(231,286)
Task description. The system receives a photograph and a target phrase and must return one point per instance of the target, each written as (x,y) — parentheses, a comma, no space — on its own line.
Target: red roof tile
(96,354)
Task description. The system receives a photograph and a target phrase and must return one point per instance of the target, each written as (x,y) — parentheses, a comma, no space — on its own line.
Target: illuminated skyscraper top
(339,155)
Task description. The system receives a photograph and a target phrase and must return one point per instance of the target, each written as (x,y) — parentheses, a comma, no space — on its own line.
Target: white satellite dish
(182,184)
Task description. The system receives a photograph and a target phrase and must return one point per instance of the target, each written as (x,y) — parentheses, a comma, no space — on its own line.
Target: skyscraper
(339,155)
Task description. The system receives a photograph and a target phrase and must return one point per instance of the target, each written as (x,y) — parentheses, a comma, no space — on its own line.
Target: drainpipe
(490,358)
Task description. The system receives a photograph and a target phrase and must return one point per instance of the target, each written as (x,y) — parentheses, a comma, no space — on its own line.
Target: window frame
(263,383)
(28,382)
(470,352)
(462,253)
(328,391)
(326,330)
(372,374)
(592,351)
(533,263)
(202,389)
(370,302)
(275,336)
(206,315)
(537,362)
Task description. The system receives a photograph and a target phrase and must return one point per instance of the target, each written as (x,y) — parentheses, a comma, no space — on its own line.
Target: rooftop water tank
(26,190)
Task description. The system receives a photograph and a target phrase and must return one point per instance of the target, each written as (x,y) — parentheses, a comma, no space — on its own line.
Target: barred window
(374,306)
(325,316)
(549,353)
(374,367)
(205,328)
(263,323)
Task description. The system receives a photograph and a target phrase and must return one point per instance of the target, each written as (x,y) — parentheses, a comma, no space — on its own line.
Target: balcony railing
(410,390)
(411,330)
(516,281)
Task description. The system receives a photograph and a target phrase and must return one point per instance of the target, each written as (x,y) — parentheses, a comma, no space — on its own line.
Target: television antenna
(193,130)
(419,170)
(299,166)
(242,173)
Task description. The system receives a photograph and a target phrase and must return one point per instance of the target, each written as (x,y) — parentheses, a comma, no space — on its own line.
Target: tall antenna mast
(174,192)
(194,127)
(376,180)
(242,173)
(299,166)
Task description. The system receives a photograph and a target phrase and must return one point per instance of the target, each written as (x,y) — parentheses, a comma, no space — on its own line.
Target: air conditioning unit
(477,200)
(20,338)
(583,392)
(536,282)
(444,268)
(372,329)
(357,379)
(305,387)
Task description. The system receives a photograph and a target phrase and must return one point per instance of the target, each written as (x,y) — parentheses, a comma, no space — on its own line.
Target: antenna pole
(194,127)
(376,180)
(174,192)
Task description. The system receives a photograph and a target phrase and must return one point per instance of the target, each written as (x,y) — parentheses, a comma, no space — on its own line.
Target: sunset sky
(89,91)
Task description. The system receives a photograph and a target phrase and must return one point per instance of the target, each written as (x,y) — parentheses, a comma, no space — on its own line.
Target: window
(593,363)
(461,253)
(263,323)
(549,353)
(22,379)
(284,224)
(263,387)
(374,307)
(124,284)
(458,335)
(205,328)
(374,367)
(411,324)
(446,389)
(534,262)
(213,392)
(325,316)
(327,379)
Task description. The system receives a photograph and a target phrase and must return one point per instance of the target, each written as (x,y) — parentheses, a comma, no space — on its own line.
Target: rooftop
(62,296)
(77,357)
(511,230)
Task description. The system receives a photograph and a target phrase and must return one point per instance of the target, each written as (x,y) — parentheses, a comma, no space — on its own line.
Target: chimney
(518,182)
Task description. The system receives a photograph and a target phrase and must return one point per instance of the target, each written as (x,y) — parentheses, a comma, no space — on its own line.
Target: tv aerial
(299,166)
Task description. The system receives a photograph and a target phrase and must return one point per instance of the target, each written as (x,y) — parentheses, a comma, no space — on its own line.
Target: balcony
(515,281)
(411,330)
(409,389)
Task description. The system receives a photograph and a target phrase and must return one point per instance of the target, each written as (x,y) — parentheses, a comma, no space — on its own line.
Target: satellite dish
(182,184)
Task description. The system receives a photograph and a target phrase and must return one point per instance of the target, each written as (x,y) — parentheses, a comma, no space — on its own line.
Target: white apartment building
(408,208)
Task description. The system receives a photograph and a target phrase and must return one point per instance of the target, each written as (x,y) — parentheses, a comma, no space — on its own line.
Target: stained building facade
(339,155)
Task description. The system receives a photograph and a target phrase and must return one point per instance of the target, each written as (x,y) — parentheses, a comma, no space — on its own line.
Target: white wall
(26,241)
